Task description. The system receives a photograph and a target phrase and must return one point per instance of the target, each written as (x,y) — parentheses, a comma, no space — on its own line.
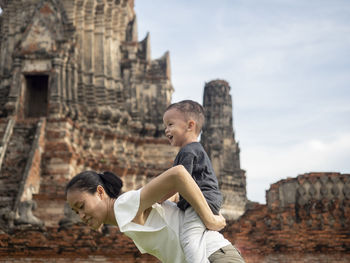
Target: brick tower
(218,139)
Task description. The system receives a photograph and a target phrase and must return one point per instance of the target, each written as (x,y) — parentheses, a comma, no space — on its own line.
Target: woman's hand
(217,223)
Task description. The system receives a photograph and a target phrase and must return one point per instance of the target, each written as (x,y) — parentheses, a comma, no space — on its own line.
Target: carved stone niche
(25,214)
(288,193)
(301,196)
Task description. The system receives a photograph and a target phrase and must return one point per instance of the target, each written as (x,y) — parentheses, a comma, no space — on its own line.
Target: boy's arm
(178,179)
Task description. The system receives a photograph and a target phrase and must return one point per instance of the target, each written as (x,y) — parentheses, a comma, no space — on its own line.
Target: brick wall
(74,244)
(315,229)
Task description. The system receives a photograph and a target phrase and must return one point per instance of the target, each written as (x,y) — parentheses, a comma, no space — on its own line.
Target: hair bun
(114,179)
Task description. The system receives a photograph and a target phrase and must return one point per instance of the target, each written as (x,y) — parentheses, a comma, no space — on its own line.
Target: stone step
(15,161)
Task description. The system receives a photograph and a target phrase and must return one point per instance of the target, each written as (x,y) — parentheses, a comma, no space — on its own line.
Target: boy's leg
(192,237)
(227,254)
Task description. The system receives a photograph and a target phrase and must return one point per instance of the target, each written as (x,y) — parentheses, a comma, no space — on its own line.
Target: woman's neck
(110,218)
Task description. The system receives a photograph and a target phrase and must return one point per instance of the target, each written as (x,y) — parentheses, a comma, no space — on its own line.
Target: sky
(288,65)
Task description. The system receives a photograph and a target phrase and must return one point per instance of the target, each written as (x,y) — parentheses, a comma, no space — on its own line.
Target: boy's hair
(192,110)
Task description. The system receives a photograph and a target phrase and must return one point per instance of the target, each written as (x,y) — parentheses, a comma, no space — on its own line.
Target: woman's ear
(100,191)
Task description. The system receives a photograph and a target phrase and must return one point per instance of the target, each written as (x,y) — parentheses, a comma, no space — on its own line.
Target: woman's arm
(177,179)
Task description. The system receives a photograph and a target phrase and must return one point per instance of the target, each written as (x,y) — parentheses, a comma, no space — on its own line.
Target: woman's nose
(81,215)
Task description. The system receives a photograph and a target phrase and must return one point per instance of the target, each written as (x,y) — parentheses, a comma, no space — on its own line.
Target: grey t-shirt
(196,161)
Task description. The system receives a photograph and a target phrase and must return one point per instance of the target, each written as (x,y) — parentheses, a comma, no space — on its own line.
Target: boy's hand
(217,223)
(175,198)
(172,196)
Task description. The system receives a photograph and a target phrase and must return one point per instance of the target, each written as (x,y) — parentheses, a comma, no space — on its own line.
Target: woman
(153,227)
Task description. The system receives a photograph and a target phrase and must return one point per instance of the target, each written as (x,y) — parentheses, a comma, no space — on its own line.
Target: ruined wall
(218,138)
(306,219)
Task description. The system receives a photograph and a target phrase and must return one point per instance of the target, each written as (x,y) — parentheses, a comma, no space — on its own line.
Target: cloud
(277,163)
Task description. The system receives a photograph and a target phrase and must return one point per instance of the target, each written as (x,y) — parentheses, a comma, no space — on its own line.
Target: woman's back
(160,234)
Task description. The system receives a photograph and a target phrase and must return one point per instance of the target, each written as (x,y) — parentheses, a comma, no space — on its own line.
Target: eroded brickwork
(306,219)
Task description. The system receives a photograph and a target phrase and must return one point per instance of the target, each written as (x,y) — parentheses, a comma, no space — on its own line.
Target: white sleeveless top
(159,236)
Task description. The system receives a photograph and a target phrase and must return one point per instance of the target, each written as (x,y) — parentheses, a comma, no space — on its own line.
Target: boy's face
(178,130)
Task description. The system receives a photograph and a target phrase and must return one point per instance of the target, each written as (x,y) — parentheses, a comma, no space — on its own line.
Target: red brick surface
(76,244)
(318,231)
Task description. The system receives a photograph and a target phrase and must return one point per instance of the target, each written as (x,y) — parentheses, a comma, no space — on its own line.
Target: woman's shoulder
(127,196)
(126,207)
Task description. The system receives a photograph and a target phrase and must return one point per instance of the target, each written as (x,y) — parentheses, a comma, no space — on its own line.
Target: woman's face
(91,208)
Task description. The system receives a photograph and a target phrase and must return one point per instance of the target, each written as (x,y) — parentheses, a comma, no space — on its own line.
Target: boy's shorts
(227,254)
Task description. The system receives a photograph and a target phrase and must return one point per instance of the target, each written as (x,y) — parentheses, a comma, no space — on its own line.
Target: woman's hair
(89,180)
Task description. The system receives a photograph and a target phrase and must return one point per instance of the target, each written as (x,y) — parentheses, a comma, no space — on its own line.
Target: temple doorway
(36,98)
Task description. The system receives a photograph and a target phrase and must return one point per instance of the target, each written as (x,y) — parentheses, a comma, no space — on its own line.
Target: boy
(183,123)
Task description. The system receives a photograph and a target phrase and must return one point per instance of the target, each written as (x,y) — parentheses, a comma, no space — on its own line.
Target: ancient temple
(218,138)
(78,91)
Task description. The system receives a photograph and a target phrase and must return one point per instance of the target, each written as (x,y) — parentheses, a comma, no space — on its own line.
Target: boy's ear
(191,124)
